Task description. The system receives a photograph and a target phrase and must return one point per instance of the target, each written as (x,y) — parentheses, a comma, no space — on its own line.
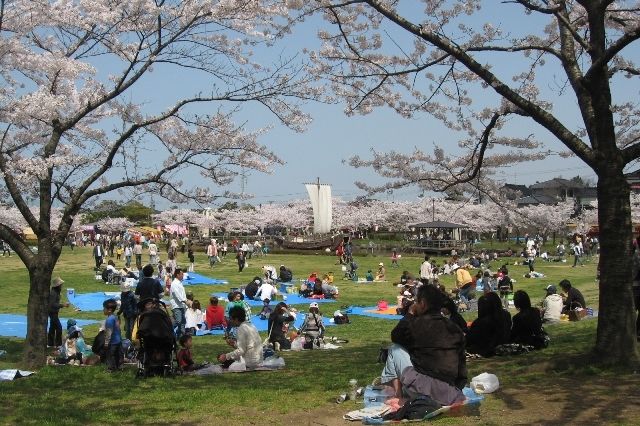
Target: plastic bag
(239,365)
(298,343)
(273,362)
(485,383)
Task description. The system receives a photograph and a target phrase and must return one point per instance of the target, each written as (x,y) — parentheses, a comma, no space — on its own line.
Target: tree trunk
(616,338)
(35,344)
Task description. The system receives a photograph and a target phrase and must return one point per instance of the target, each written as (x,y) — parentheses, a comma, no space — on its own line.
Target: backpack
(416,409)
(341,319)
(98,344)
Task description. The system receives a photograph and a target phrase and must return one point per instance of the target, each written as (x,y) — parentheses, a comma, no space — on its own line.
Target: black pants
(114,358)
(98,262)
(54,337)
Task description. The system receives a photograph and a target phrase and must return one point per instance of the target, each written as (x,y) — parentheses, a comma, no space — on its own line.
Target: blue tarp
(91,301)
(370,312)
(292,299)
(197,279)
(12,325)
(261,324)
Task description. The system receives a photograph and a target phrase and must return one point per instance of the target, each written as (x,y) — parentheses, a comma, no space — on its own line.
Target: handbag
(577,314)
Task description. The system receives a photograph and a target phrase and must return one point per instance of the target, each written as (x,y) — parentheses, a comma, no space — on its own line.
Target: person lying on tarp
(428,354)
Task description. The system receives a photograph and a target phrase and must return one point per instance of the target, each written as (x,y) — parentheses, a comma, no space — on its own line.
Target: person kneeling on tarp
(428,354)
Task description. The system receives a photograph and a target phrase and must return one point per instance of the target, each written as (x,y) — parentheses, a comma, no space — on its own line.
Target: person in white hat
(128,307)
(381,272)
(312,327)
(54,336)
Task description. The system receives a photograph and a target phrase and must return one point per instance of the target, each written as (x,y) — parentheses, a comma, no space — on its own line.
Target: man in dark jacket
(54,336)
(251,289)
(573,298)
(148,287)
(428,356)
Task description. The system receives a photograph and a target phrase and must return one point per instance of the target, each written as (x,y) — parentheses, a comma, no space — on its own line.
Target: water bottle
(353,389)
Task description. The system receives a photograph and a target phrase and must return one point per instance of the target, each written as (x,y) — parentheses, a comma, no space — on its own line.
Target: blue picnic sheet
(12,325)
(370,311)
(91,301)
(291,299)
(261,324)
(197,279)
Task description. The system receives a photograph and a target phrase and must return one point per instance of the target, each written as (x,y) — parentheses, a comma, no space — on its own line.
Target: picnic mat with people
(12,325)
(261,324)
(373,311)
(291,299)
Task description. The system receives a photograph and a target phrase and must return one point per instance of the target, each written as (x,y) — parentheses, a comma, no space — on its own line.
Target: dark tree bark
(616,337)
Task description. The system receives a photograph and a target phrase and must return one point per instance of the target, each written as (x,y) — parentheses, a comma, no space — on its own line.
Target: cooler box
(377,395)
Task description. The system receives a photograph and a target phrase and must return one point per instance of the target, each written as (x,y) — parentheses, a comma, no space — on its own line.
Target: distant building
(551,192)
(633,179)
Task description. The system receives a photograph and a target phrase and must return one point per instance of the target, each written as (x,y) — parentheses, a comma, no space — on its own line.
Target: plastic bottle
(353,389)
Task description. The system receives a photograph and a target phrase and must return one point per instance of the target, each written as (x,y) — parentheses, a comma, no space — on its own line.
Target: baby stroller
(350,274)
(157,354)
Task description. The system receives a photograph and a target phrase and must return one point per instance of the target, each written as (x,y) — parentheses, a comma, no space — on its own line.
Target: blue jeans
(397,360)
(179,321)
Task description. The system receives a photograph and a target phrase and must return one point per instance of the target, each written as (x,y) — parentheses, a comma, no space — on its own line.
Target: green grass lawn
(304,391)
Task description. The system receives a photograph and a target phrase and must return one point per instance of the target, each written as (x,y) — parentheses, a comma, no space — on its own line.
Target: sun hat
(313,305)
(337,314)
(380,264)
(57,282)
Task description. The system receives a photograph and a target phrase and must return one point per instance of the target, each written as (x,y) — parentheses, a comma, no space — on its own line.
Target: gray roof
(556,183)
(536,199)
(437,224)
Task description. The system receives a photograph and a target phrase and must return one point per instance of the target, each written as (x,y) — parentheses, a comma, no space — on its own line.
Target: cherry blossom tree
(79,118)
(484,77)
(114,224)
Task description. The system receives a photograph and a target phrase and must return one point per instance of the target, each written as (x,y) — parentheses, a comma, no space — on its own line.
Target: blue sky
(334,137)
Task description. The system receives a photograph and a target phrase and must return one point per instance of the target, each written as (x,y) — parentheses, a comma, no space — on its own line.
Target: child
(394,259)
(191,257)
(112,337)
(193,317)
(312,327)
(119,252)
(266,309)
(128,307)
(215,315)
(185,360)
(369,275)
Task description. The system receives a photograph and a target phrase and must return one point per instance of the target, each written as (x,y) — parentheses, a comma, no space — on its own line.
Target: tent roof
(437,224)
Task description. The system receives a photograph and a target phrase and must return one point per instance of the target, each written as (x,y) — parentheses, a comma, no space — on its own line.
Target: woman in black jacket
(527,323)
(491,328)
(278,325)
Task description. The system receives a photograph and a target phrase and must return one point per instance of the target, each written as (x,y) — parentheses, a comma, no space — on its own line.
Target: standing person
(192,259)
(426,270)
(128,307)
(137,252)
(577,254)
(112,336)
(127,255)
(149,287)
(394,259)
(179,302)
(153,252)
(212,253)
(54,337)
(98,254)
(427,356)
(241,260)
(225,248)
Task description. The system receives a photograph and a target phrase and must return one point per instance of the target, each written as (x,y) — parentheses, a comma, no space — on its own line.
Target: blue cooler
(377,395)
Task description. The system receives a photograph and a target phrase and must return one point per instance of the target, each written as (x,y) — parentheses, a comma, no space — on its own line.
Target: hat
(125,286)
(57,282)
(455,266)
(71,323)
(380,264)
(313,305)
(337,314)
(257,281)
(551,289)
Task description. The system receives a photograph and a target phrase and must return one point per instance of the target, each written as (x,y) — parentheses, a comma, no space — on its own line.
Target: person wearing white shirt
(552,306)
(266,291)
(426,270)
(153,253)
(179,302)
(248,344)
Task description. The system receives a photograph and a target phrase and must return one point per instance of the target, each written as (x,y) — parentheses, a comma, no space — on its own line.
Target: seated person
(427,357)
(306,290)
(464,283)
(572,297)
(369,275)
(252,288)
(214,316)
(285,274)
(270,272)
(266,291)
(265,313)
(552,306)
(491,328)
(328,291)
(184,358)
(474,261)
(405,278)
(317,288)
(278,326)
(484,284)
(527,323)
(329,276)
(248,343)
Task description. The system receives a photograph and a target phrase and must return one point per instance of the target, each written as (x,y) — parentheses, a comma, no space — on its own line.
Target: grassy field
(553,386)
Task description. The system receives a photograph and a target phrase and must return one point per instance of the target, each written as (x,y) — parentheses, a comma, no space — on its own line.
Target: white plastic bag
(239,365)
(298,343)
(273,362)
(485,383)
